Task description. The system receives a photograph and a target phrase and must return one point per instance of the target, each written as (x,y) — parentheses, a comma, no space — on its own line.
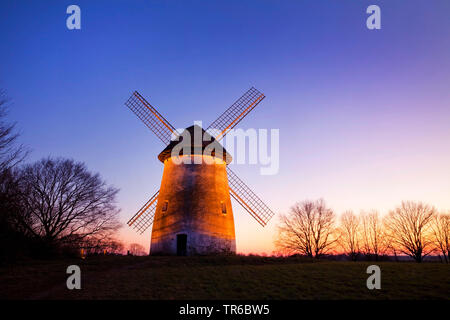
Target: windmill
(191,213)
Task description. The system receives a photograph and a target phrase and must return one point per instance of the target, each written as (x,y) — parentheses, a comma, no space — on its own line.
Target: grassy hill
(234,277)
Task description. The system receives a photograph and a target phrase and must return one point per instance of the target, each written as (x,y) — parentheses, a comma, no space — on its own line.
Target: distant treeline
(414,229)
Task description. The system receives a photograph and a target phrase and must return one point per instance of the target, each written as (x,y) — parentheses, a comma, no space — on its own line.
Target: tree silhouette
(408,228)
(349,232)
(307,229)
(12,241)
(61,203)
(10,152)
(441,234)
(372,234)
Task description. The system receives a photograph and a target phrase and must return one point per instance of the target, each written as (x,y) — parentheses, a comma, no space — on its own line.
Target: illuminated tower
(194,213)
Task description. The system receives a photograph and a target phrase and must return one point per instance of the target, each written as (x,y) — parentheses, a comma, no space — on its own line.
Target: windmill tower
(192,213)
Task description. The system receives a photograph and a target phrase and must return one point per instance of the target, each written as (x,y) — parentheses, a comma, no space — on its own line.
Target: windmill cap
(194,140)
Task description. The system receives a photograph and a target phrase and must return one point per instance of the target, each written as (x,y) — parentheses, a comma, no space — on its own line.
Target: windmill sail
(234,187)
(151,117)
(144,217)
(238,110)
(248,199)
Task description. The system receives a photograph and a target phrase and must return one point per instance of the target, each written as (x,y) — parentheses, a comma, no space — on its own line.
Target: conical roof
(194,140)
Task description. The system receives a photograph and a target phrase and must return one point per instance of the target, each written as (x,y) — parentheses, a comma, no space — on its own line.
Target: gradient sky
(364,116)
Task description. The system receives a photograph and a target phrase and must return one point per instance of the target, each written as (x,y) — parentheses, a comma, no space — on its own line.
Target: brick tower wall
(191,201)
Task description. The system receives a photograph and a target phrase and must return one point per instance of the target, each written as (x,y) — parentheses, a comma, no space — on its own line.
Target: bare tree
(10,153)
(349,231)
(11,240)
(408,228)
(62,202)
(137,250)
(307,229)
(441,234)
(372,234)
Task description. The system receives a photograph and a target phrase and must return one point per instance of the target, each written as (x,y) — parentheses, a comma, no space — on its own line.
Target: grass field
(108,277)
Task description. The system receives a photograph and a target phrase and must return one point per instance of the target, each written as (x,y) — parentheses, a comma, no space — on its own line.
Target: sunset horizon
(226,157)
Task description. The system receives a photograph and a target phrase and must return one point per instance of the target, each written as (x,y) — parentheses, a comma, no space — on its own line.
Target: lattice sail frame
(248,199)
(151,117)
(143,219)
(234,114)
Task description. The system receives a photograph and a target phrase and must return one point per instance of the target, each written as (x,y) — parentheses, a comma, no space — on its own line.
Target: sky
(363,115)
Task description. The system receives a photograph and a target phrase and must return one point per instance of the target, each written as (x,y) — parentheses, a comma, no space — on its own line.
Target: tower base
(189,243)
(194,215)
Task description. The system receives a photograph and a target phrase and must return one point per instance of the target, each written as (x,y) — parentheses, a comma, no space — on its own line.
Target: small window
(224,207)
(165,205)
